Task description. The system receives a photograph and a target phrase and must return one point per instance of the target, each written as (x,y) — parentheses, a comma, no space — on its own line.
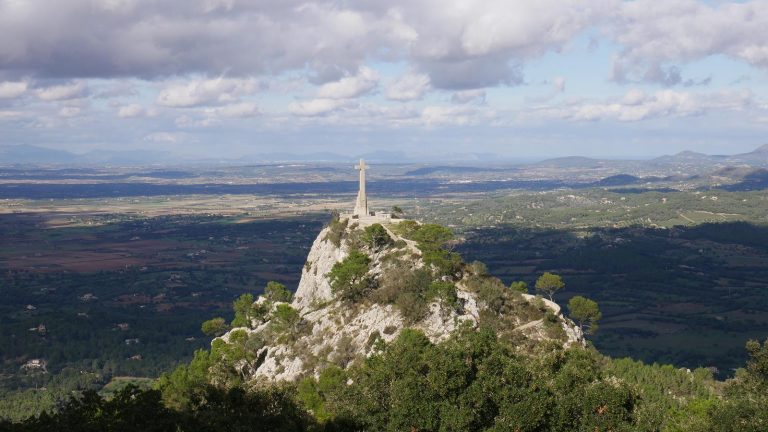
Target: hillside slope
(365,282)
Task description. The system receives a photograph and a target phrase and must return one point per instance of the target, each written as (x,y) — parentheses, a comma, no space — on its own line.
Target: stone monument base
(369,219)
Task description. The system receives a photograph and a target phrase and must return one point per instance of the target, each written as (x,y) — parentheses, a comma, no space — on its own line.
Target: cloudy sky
(226,78)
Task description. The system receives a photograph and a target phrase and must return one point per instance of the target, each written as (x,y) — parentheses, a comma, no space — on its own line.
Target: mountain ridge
(31,154)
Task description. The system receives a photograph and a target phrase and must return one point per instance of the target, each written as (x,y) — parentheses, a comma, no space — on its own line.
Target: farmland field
(127,298)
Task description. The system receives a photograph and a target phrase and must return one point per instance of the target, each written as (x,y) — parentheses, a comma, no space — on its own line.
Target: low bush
(445,292)
(336,229)
(376,237)
(349,277)
(277,292)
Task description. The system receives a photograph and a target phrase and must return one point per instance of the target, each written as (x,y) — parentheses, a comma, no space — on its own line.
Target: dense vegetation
(430,239)
(400,283)
(471,382)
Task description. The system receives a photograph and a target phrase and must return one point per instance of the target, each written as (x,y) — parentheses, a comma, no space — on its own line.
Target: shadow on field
(690,296)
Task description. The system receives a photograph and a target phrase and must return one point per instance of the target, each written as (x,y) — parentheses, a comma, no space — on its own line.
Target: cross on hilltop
(361,206)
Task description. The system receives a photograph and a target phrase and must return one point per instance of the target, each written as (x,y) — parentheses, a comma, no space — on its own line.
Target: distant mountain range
(29,154)
(755,158)
(34,155)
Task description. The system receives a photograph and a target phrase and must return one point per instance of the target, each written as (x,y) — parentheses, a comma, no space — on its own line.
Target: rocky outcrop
(314,286)
(329,330)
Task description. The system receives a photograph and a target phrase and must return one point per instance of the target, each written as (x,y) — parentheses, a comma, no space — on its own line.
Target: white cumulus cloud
(12,89)
(62,92)
(131,111)
(636,105)
(658,36)
(350,87)
(408,87)
(205,92)
(455,115)
(69,112)
(240,110)
(6,115)
(467,96)
(315,107)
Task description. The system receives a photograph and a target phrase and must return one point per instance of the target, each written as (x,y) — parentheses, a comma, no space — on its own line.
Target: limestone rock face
(314,286)
(332,331)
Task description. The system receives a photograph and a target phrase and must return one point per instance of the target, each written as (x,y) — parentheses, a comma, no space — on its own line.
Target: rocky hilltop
(367,279)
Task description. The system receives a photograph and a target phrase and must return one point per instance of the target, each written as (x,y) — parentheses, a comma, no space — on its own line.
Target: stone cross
(361,206)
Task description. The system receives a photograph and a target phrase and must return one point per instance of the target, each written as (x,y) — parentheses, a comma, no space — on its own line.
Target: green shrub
(373,338)
(474,382)
(431,238)
(406,228)
(478,268)
(405,288)
(443,262)
(398,278)
(432,235)
(550,317)
(285,322)
(244,311)
(215,327)
(336,229)
(412,305)
(277,292)
(519,286)
(286,315)
(345,353)
(445,292)
(312,392)
(349,277)
(490,291)
(376,237)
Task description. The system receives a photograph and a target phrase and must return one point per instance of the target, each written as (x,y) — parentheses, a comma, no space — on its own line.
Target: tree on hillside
(745,405)
(246,310)
(432,236)
(757,366)
(519,286)
(215,327)
(277,292)
(376,237)
(549,284)
(210,409)
(585,312)
(243,311)
(286,318)
(349,277)
(472,382)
